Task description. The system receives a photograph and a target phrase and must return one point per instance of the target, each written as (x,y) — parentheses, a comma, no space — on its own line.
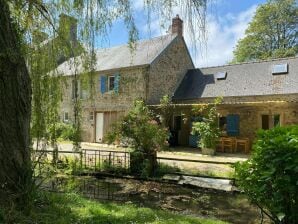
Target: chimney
(68,27)
(177,26)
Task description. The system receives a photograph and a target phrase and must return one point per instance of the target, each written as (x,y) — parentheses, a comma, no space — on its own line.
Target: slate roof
(121,56)
(247,79)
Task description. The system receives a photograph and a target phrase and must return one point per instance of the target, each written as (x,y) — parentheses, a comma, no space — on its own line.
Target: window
(279,69)
(91,116)
(65,117)
(223,124)
(270,121)
(265,122)
(84,89)
(229,125)
(221,75)
(276,120)
(111,83)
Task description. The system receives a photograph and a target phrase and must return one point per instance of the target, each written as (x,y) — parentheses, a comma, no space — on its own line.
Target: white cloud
(223,36)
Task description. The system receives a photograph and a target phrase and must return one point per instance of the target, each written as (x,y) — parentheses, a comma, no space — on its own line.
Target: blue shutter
(116,83)
(233,124)
(103,80)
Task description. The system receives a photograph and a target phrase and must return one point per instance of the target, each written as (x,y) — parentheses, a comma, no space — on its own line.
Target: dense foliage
(272,33)
(207,128)
(270,176)
(144,135)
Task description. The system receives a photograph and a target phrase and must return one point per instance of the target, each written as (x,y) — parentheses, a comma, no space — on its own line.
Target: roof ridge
(250,62)
(138,41)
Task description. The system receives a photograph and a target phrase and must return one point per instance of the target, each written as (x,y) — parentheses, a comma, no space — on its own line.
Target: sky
(227,21)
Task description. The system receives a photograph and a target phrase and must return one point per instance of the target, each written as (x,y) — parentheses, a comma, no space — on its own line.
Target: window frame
(64,116)
(109,82)
(91,116)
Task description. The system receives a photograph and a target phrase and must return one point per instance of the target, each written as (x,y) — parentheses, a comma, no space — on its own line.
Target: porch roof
(231,103)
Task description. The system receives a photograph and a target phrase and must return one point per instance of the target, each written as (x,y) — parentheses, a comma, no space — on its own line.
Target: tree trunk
(15,110)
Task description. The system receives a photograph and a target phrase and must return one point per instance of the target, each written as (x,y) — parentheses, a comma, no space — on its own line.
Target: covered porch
(238,122)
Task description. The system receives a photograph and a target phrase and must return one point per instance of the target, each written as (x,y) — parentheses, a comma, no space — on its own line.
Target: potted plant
(208,129)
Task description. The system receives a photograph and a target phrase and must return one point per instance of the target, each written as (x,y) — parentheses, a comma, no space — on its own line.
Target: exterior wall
(132,85)
(167,71)
(249,113)
(250,116)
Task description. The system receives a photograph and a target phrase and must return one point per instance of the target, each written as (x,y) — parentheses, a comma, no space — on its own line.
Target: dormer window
(221,75)
(279,69)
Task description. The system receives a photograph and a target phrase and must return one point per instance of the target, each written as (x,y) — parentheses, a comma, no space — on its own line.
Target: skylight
(221,75)
(279,69)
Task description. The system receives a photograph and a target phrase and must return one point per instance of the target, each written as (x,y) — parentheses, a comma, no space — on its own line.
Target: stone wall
(132,85)
(250,111)
(167,71)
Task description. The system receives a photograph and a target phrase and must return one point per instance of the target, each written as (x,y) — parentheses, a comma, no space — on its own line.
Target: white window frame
(271,115)
(109,77)
(66,118)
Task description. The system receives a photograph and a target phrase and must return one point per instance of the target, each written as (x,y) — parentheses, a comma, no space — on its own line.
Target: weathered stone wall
(250,115)
(167,71)
(132,85)
(250,109)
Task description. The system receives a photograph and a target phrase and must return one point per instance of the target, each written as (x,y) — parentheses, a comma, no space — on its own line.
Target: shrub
(270,176)
(208,128)
(145,136)
(63,131)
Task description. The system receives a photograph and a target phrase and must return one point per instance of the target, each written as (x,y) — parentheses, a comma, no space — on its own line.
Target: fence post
(95,161)
(110,159)
(125,160)
(85,158)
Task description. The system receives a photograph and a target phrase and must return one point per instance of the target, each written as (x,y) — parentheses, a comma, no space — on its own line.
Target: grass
(72,208)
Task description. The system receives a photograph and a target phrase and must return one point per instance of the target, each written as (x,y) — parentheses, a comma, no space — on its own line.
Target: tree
(15,107)
(19,20)
(272,33)
(269,177)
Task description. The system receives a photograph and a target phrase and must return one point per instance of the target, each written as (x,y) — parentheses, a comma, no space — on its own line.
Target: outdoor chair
(242,143)
(228,143)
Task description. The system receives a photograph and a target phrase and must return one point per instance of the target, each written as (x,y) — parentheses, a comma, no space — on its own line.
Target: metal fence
(91,159)
(102,159)
(94,160)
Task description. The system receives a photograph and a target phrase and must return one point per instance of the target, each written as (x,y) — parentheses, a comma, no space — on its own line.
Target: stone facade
(167,70)
(250,110)
(132,86)
(148,82)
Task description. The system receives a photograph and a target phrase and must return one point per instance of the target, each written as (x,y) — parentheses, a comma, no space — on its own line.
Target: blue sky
(226,23)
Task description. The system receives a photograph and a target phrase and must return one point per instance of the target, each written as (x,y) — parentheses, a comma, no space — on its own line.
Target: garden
(96,186)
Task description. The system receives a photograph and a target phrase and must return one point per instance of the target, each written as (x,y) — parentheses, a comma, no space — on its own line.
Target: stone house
(256,95)
(154,68)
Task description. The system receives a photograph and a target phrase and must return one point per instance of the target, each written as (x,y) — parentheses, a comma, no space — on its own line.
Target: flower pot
(208,151)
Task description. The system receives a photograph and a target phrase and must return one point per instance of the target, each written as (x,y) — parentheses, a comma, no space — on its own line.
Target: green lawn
(71,208)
